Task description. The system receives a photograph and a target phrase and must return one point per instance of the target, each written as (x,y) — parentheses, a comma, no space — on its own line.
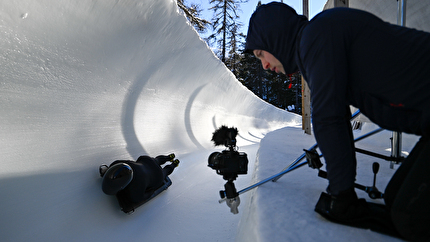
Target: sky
(315,6)
(86,83)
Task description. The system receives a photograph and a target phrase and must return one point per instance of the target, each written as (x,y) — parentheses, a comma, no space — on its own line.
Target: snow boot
(175,162)
(162,159)
(347,209)
(172,156)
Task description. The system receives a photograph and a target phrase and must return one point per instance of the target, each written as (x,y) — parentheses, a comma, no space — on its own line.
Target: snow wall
(87,82)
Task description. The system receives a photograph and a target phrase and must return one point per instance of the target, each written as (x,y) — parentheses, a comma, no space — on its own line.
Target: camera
(228,163)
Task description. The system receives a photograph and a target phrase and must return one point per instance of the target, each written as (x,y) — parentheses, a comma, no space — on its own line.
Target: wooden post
(306,108)
(306,93)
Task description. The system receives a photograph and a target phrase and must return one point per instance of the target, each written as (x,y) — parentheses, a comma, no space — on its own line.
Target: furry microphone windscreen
(224,134)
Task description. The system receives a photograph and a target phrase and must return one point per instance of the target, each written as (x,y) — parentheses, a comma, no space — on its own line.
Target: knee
(402,222)
(411,217)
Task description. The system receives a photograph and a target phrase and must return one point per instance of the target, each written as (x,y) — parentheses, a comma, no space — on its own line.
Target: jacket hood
(274,27)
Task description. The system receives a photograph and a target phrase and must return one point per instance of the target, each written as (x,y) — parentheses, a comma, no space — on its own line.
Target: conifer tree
(193,15)
(225,25)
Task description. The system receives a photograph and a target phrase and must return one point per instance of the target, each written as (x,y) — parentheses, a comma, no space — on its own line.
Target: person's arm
(324,59)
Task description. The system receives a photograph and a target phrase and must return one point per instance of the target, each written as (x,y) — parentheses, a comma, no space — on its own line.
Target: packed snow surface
(88,82)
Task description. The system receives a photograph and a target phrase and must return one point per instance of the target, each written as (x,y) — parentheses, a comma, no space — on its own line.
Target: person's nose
(265,64)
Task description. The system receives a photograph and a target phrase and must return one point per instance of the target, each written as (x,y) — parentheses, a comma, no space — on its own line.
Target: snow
(283,210)
(89,82)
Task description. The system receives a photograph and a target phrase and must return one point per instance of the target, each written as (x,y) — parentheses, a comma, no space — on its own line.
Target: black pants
(407,195)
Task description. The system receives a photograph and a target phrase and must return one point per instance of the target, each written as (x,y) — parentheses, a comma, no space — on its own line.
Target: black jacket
(147,177)
(350,57)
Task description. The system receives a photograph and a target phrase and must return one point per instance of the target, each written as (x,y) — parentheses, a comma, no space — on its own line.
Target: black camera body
(228,163)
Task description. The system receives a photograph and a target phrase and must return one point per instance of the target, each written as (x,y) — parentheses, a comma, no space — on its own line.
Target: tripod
(313,161)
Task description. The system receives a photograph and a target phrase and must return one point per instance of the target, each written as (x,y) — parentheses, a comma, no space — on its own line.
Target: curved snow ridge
(115,74)
(91,81)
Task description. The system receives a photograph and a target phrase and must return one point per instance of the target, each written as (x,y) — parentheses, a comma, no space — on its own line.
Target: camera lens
(212,160)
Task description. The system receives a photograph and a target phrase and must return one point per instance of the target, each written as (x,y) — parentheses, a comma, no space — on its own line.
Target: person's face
(268,61)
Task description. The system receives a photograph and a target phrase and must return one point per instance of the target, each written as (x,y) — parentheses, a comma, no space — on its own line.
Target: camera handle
(230,190)
(231,196)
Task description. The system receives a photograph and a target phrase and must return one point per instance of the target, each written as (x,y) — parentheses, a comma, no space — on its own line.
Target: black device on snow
(229,163)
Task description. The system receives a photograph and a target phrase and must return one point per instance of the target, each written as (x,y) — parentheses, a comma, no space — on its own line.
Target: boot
(347,209)
(172,156)
(343,207)
(175,163)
